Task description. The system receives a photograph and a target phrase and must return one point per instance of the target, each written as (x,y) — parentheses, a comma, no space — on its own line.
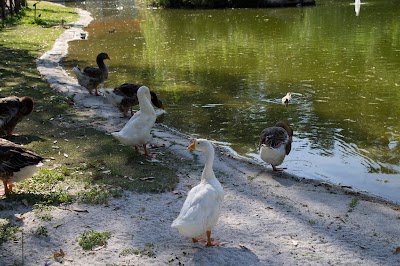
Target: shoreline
(267,218)
(59,80)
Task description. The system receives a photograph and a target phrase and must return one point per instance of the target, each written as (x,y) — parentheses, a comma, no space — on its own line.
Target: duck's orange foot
(213,243)
(277,169)
(201,240)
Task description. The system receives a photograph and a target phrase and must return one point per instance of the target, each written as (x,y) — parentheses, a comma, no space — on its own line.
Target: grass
(91,239)
(7,231)
(76,170)
(41,232)
(132,251)
(352,204)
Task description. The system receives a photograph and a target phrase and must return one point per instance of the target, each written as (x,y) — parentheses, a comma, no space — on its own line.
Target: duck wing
(128,89)
(93,72)
(274,137)
(201,205)
(14,157)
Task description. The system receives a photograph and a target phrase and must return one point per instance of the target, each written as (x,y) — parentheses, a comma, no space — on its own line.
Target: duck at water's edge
(137,130)
(275,144)
(92,77)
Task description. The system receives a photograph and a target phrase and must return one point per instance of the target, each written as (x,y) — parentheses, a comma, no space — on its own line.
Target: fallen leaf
(397,250)
(79,210)
(59,255)
(147,178)
(25,202)
(243,247)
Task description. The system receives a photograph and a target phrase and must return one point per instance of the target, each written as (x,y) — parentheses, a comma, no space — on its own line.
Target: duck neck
(100,63)
(208,171)
(145,105)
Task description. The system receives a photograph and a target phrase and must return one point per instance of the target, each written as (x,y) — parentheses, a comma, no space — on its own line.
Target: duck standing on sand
(12,111)
(137,130)
(275,144)
(92,77)
(201,209)
(16,164)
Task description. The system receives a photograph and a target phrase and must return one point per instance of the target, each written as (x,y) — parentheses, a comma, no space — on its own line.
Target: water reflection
(222,74)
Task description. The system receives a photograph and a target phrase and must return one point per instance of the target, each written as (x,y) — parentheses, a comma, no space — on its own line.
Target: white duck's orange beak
(192,146)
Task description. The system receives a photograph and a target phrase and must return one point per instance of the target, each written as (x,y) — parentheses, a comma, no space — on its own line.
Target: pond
(222,73)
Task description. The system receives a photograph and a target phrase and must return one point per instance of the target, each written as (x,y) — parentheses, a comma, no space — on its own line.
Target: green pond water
(222,73)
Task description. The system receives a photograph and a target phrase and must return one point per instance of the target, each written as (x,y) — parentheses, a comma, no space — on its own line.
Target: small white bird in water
(357,7)
(287,98)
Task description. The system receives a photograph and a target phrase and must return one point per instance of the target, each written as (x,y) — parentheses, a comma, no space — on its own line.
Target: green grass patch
(43,211)
(91,239)
(7,231)
(132,251)
(353,204)
(86,164)
(41,232)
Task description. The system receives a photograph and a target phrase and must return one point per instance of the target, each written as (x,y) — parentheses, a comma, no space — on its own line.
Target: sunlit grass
(91,239)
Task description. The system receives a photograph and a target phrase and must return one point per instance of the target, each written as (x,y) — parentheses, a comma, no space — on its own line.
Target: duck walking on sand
(12,111)
(275,144)
(201,209)
(137,130)
(16,164)
(92,77)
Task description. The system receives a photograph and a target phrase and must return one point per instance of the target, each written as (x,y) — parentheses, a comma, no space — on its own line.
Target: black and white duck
(16,164)
(92,77)
(275,144)
(12,111)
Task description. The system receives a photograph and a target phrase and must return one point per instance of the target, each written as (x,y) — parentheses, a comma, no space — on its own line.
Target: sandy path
(267,219)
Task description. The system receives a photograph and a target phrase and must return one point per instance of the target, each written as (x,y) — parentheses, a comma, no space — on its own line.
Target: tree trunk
(3,9)
(11,7)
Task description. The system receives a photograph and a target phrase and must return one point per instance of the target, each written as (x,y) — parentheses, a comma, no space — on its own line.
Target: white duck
(137,130)
(287,98)
(200,211)
(275,144)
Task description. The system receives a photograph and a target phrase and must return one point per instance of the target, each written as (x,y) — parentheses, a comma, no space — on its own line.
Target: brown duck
(16,164)
(12,111)
(92,77)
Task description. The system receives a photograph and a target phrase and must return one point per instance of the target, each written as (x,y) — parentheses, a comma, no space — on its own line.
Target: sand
(267,218)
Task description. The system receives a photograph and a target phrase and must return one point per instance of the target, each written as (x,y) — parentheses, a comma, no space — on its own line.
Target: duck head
(200,145)
(26,105)
(102,57)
